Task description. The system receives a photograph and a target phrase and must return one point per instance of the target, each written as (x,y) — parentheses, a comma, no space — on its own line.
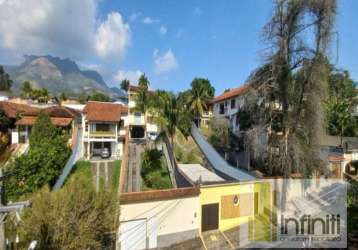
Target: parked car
(104,153)
(152,136)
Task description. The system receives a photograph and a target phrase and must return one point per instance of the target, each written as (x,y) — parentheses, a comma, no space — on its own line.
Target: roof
(196,172)
(12,110)
(104,111)
(55,111)
(232,93)
(57,121)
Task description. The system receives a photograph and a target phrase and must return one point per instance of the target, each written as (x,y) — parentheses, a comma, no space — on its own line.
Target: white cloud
(149,20)
(134,16)
(113,37)
(163,30)
(165,62)
(130,75)
(66,28)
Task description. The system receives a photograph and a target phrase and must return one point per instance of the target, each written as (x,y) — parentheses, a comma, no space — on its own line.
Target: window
(102,127)
(222,108)
(233,103)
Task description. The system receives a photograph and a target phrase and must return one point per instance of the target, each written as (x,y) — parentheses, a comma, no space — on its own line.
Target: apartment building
(103,126)
(228,104)
(141,126)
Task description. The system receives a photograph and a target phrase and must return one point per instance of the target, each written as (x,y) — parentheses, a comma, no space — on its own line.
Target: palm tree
(143,82)
(125,85)
(197,100)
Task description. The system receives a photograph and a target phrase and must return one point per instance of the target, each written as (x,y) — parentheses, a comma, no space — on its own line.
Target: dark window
(233,103)
(222,108)
(102,127)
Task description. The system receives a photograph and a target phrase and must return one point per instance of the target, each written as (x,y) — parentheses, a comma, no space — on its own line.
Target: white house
(228,104)
(140,125)
(103,126)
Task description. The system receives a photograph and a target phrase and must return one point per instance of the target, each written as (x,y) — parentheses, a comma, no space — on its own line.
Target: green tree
(200,94)
(125,84)
(75,217)
(99,97)
(219,132)
(44,161)
(63,96)
(143,82)
(26,89)
(5,121)
(339,117)
(5,81)
(43,95)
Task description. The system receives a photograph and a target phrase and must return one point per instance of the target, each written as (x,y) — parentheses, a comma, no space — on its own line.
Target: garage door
(210,217)
(138,234)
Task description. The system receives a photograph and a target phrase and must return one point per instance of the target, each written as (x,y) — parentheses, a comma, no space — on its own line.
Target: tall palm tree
(197,101)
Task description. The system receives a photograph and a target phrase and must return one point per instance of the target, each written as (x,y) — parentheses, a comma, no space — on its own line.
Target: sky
(170,41)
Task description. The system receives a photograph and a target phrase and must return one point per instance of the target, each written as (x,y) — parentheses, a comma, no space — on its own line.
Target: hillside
(58,75)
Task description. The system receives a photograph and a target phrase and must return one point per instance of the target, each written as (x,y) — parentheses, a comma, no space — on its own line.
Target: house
(103,126)
(62,117)
(141,126)
(228,104)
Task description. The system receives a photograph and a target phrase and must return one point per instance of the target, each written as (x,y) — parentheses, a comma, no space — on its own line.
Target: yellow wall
(213,194)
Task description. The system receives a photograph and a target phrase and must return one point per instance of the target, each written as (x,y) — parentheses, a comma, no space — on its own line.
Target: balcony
(131,104)
(101,134)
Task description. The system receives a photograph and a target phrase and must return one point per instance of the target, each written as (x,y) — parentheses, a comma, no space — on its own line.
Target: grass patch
(115,174)
(186,151)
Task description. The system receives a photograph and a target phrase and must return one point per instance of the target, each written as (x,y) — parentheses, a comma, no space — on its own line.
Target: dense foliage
(99,97)
(42,94)
(5,81)
(219,132)
(75,217)
(44,161)
(125,84)
(153,169)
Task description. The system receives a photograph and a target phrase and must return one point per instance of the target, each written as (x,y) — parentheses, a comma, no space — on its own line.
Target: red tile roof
(12,110)
(104,111)
(57,121)
(232,93)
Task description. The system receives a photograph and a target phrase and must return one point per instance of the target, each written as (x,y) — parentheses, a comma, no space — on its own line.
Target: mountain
(58,75)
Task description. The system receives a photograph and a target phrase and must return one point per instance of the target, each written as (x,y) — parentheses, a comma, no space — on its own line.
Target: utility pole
(6,209)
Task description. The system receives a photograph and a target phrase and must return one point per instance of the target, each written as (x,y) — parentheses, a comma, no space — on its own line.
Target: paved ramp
(215,159)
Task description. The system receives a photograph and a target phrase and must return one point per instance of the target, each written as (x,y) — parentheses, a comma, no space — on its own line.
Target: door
(209,217)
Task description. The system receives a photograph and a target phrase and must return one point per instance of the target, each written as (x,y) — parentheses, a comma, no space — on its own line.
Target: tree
(26,89)
(294,77)
(125,84)
(43,95)
(339,117)
(44,161)
(200,94)
(5,81)
(143,82)
(63,96)
(5,121)
(75,217)
(99,97)
(219,132)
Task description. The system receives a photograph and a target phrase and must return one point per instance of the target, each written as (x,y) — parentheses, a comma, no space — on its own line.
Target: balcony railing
(101,134)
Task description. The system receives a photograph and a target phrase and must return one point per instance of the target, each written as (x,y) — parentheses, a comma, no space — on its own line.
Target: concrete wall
(172,220)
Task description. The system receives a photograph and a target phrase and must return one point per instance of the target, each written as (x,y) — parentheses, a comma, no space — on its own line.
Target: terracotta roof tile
(13,109)
(103,111)
(232,93)
(57,121)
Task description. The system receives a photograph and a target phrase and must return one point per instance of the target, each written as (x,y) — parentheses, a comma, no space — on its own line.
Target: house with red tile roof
(103,126)
(228,104)
(24,116)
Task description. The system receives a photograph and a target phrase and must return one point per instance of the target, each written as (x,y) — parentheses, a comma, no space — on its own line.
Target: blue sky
(171,41)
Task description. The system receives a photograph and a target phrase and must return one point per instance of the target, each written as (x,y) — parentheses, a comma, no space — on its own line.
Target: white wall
(14,137)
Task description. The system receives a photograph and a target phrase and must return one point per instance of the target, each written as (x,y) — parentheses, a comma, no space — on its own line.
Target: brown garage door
(209,217)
